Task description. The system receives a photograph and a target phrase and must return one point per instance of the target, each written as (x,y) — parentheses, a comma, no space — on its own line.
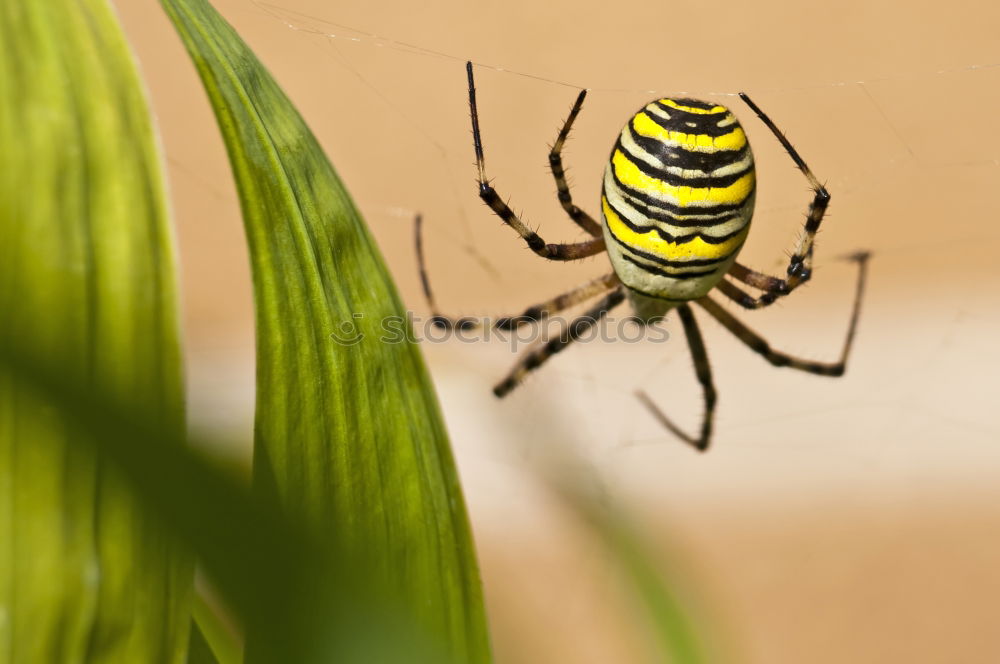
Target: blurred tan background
(851,520)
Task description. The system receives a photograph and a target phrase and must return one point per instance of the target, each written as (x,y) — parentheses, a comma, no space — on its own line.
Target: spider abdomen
(678,197)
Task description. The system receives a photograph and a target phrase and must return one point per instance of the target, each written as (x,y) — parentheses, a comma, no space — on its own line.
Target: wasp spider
(677,200)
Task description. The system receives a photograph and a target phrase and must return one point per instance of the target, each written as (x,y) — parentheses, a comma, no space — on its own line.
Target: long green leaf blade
(281,582)
(211,640)
(86,271)
(348,431)
(668,617)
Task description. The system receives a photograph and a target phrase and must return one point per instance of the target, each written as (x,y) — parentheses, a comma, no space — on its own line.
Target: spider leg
(540,312)
(800,264)
(582,219)
(759,345)
(704,372)
(533,313)
(556,252)
(743,298)
(536,357)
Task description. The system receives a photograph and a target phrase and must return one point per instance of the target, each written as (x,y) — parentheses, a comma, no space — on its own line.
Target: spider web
(907,145)
(823,503)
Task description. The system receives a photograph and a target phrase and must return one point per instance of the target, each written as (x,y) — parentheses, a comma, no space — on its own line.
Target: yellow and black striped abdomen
(678,197)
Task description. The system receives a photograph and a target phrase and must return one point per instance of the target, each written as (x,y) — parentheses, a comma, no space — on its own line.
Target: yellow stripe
(691,109)
(645,126)
(630,175)
(652,243)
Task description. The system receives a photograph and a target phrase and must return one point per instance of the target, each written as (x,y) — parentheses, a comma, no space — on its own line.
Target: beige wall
(850,520)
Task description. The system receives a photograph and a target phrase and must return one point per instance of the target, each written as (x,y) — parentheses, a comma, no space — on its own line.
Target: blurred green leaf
(212,642)
(302,599)
(664,612)
(199,652)
(86,273)
(348,430)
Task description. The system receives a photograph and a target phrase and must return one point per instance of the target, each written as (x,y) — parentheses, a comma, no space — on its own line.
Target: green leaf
(303,601)
(668,617)
(212,642)
(348,430)
(86,272)
(199,651)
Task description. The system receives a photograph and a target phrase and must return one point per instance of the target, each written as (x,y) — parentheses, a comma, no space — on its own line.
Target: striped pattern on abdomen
(678,197)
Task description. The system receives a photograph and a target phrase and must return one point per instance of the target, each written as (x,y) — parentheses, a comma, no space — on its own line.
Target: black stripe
(709,239)
(697,262)
(693,103)
(683,221)
(706,210)
(705,125)
(681,180)
(663,273)
(658,297)
(710,121)
(689,159)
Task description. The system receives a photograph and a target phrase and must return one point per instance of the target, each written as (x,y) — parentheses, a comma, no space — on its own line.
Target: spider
(677,200)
